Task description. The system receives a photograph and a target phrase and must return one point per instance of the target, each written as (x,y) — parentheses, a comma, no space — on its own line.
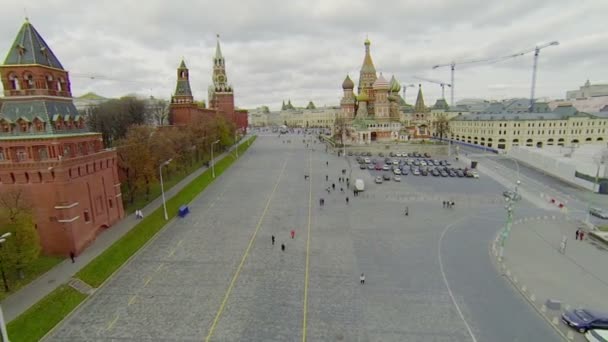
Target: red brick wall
(71,187)
(242,120)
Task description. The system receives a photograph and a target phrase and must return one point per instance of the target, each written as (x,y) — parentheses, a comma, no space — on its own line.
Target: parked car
(443,173)
(603,214)
(350,153)
(594,335)
(367,160)
(404,172)
(397,178)
(380,154)
(378,166)
(370,166)
(397,154)
(386,176)
(397,171)
(386,167)
(416,172)
(362,166)
(435,172)
(378,180)
(459,173)
(426,155)
(585,319)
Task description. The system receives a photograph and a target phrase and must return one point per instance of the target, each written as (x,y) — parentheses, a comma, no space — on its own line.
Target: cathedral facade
(378,112)
(184,110)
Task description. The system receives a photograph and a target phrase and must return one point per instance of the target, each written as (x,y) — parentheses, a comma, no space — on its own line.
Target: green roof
(30,48)
(182,65)
(45,110)
(91,96)
(183,88)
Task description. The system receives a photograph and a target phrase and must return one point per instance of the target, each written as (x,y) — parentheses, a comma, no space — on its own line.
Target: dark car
(350,153)
(443,173)
(386,176)
(378,166)
(405,172)
(459,173)
(380,154)
(392,154)
(585,319)
(435,172)
(362,166)
(426,155)
(452,173)
(424,172)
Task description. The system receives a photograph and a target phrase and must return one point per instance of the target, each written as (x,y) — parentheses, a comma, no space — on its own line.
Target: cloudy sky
(302,50)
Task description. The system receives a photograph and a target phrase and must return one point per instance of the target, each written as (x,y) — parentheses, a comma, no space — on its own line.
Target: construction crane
(441,84)
(405,86)
(499,59)
(535,67)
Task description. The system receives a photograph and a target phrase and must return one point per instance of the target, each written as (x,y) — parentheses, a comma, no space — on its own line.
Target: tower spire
(183,93)
(218,49)
(419,106)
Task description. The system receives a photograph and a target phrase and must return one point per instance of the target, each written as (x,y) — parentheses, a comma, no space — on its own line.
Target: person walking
(283,247)
(73,256)
(326,177)
(578,231)
(581,235)
(362,278)
(272,238)
(452,205)
(326,163)
(293,233)
(407,211)
(444,204)
(333,186)
(346,200)
(341,189)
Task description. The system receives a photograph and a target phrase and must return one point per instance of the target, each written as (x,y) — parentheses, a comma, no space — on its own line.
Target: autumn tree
(341,129)
(136,160)
(16,217)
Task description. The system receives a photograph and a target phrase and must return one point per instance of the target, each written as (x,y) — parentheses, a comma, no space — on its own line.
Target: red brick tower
(48,154)
(182,109)
(221,95)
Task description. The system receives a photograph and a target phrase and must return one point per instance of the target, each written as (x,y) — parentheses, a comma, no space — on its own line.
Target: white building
(588,90)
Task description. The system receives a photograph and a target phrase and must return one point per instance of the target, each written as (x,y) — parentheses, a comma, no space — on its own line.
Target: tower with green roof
(47,153)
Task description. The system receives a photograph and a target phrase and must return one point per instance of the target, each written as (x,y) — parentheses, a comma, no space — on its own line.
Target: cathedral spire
(368,64)
(419,107)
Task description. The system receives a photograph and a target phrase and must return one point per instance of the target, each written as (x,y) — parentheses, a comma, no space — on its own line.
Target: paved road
(215,274)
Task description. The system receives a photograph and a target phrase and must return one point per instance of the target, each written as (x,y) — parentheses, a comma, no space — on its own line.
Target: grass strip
(31,271)
(34,323)
(104,265)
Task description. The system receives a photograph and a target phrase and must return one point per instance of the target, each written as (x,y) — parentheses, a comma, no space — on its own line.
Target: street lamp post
(504,235)
(162,188)
(236,145)
(212,160)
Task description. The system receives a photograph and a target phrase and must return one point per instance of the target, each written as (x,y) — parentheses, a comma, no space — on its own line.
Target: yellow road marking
(179,243)
(132,299)
(113,321)
(305,316)
(147,281)
(159,267)
(238,269)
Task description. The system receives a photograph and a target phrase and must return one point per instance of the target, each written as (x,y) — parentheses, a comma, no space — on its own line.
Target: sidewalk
(534,264)
(20,301)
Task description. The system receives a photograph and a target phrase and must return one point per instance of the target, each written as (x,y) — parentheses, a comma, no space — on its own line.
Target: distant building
(87,101)
(587,90)
(48,153)
(183,110)
(564,126)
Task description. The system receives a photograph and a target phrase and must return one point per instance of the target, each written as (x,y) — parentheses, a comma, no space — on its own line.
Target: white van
(359,185)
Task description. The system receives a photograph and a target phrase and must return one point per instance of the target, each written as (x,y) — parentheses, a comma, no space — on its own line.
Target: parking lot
(396,167)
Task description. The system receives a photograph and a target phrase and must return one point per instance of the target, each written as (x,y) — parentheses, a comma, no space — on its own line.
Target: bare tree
(441,126)
(160,111)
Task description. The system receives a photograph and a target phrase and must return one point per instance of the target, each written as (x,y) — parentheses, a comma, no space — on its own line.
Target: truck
(359,185)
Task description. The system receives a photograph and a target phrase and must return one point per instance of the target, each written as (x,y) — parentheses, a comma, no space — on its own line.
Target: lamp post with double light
(212,160)
(162,188)
(510,200)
